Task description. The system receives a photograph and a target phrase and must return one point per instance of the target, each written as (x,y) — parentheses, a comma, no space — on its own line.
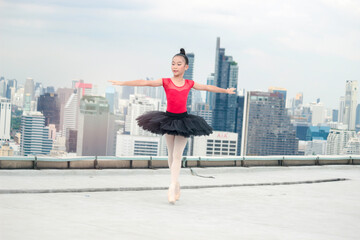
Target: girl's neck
(177,78)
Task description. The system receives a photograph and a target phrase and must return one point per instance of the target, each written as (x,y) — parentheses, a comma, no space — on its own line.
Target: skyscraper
(210,95)
(268,130)
(28,94)
(34,135)
(351,95)
(112,98)
(341,109)
(226,76)
(189,74)
(280,90)
(337,140)
(63,96)
(96,135)
(138,105)
(48,105)
(11,88)
(5,119)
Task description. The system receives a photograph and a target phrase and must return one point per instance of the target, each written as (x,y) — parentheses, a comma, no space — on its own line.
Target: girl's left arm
(212,88)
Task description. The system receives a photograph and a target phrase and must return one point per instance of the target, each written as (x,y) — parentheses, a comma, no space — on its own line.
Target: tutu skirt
(183,124)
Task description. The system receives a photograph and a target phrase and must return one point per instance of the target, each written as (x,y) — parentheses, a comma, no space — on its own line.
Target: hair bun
(182,51)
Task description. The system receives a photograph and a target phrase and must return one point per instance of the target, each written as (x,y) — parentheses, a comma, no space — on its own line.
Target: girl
(176,124)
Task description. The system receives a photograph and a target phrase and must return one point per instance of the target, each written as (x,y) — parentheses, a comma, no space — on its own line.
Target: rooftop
(273,202)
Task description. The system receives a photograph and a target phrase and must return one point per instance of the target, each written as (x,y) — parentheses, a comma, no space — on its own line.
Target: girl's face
(178,66)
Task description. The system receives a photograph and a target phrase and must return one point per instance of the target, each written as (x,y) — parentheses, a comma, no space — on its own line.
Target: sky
(308,46)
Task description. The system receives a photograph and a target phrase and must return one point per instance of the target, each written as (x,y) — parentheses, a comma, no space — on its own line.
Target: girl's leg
(179,145)
(170,147)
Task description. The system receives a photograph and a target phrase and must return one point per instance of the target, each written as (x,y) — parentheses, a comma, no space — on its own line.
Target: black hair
(182,54)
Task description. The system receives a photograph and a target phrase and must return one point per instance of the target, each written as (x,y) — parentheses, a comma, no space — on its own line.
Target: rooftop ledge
(103,162)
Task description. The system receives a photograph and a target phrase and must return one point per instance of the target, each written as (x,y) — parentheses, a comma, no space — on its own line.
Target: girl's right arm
(150,83)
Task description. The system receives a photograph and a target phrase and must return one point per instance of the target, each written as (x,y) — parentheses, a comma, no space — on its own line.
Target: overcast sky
(309,46)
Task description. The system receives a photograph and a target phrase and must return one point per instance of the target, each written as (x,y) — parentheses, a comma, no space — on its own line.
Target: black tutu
(183,124)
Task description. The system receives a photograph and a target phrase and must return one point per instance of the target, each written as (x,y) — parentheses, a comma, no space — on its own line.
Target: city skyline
(292,45)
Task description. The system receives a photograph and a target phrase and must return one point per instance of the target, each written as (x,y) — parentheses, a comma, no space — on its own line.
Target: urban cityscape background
(295,65)
(79,120)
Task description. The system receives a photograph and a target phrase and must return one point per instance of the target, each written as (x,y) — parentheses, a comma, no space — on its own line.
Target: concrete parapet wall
(140,164)
(18,164)
(92,162)
(51,165)
(248,163)
(103,164)
(337,161)
(82,164)
(159,163)
(216,163)
(298,162)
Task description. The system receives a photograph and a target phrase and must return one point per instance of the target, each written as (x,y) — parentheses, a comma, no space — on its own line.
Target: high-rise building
(83,88)
(48,105)
(210,95)
(96,135)
(131,145)
(189,74)
(138,105)
(280,90)
(216,144)
(357,118)
(317,113)
(341,109)
(335,115)
(352,147)
(268,130)
(337,140)
(11,88)
(34,135)
(299,99)
(3,87)
(71,112)
(29,94)
(5,119)
(351,95)
(63,96)
(240,100)
(112,98)
(226,76)
(315,147)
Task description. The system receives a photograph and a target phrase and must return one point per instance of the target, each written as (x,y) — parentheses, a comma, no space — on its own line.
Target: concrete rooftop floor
(119,210)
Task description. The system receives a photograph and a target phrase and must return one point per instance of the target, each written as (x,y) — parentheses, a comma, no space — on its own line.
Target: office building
(337,140)
(96,135)
(48,104)
(34,135)
(351,95)
(5,119)
(226,76)
(216,144)
(268,130)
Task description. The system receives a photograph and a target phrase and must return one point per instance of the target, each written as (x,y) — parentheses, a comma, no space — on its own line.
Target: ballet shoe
(177,191)
(171,194)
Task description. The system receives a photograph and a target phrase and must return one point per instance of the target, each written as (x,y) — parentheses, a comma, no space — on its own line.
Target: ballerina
(175,124)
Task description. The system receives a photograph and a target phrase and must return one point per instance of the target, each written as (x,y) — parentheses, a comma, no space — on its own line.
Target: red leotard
(176,96)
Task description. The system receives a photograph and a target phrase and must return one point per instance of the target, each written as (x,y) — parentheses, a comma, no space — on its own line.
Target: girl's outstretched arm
(212,88)
(151,83)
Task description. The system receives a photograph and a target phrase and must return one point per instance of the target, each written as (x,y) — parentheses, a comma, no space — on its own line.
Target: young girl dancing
(176,124)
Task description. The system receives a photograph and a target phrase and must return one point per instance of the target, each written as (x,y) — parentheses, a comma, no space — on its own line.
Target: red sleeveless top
(176,96)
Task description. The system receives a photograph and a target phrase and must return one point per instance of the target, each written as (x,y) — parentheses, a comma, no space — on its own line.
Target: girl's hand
(230,90)
(115,82)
